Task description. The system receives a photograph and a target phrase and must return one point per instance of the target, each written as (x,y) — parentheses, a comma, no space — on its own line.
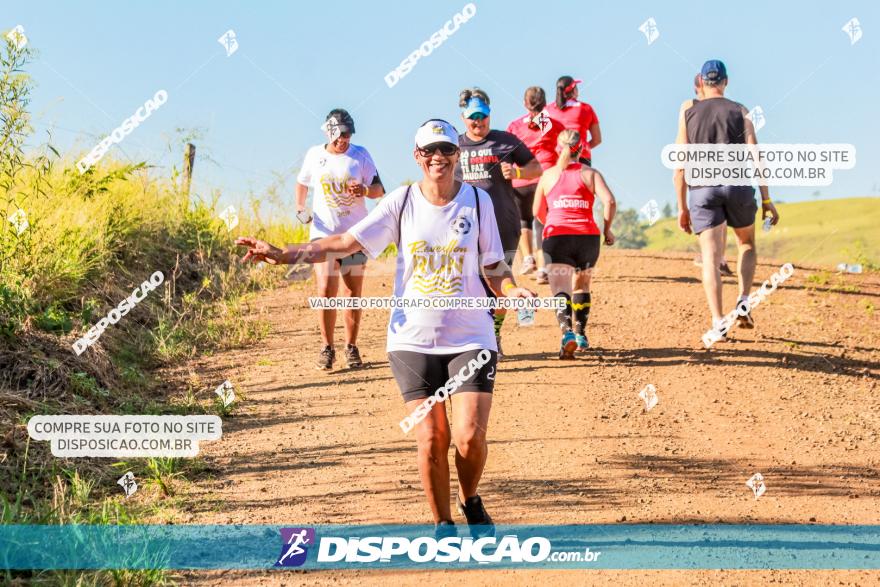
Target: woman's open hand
(258,250)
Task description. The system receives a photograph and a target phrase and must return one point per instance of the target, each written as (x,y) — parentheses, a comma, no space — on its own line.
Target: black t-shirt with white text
(480,165)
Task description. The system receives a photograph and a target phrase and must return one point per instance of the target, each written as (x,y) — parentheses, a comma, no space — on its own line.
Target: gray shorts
(711,206)
(420,375)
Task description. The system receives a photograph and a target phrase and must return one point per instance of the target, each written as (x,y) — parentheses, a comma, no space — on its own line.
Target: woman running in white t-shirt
(448,246)
(341,175)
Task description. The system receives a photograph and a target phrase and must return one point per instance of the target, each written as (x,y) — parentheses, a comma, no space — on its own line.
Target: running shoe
(717,326)
(498,342)
(444,529)
(745,321)
(725,269)
(528,265)
(541,276)
(569,346)
(582,342)
(479,522)
(326,358)
(353,357)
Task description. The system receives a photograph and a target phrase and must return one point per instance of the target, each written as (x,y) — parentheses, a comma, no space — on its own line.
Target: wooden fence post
(189,158)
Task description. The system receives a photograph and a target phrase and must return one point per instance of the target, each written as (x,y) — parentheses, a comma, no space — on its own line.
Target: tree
(629,231)
(667,210)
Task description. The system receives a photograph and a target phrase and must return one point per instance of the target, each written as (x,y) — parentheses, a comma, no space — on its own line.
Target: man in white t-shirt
(340,175)
(448,246)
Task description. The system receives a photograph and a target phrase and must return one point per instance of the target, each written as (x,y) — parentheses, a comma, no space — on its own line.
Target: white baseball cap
(436,131)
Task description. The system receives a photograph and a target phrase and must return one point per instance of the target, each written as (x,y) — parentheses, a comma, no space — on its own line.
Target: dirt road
(796,400)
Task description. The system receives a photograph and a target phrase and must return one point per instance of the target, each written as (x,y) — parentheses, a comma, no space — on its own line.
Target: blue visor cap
(475,105)
(713,71)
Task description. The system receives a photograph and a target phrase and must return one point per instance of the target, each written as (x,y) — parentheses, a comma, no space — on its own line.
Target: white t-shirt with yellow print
(334,210)
(437,257)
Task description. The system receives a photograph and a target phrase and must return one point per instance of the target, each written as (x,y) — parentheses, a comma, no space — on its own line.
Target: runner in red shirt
(564,203)
(538,131)
(576,116)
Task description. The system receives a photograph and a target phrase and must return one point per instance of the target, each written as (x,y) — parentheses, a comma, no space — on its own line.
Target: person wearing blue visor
(489,160)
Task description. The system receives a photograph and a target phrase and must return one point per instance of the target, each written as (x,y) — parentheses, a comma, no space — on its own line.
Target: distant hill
(824,232)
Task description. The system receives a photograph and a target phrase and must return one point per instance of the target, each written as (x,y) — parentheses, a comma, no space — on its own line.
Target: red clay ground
(796,399)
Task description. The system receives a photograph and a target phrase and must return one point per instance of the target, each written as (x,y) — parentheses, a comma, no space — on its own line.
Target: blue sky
(260,109)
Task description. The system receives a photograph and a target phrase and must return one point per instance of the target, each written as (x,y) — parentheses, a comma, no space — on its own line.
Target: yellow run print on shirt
(437,269)
(336,192)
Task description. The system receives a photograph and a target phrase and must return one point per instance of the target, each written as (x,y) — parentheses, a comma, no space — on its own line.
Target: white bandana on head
(331,129)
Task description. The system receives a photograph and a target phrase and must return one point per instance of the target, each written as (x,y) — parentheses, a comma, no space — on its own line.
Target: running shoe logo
(651,211)
(295,546)
(650,30)
(756,115)
(540,121)
(853,30)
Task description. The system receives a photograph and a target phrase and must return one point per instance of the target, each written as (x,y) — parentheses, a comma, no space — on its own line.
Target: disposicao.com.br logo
(403,551)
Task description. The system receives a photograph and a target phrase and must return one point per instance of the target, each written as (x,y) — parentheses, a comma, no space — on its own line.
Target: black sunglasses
(446,149)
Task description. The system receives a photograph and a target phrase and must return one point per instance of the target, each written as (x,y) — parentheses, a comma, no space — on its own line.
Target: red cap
(573,83)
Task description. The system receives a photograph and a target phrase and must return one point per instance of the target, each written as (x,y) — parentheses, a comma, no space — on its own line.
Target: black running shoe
(353,357)
(326,358)
(444,529)
(479,522)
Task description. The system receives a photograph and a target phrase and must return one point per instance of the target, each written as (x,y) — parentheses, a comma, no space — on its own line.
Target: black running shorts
(526,196)
(581,251)
(358,258)
(420,375)
(510,243)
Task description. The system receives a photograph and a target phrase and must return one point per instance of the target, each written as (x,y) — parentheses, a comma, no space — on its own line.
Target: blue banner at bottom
(417,547)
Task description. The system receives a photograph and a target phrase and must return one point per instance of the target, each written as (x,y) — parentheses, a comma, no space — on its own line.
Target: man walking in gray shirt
(716,120)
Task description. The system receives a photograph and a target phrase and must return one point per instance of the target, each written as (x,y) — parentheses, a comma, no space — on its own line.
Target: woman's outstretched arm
(314,252)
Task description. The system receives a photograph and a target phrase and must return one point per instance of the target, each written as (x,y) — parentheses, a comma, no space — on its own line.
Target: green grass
(825,232)
(92,238)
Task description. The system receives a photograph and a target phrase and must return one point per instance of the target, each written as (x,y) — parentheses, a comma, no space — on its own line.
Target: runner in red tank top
(564,203)
(569,205)
(538,132)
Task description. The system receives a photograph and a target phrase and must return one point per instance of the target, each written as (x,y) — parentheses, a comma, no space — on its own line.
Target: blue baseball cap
(475,105)
(714,71)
